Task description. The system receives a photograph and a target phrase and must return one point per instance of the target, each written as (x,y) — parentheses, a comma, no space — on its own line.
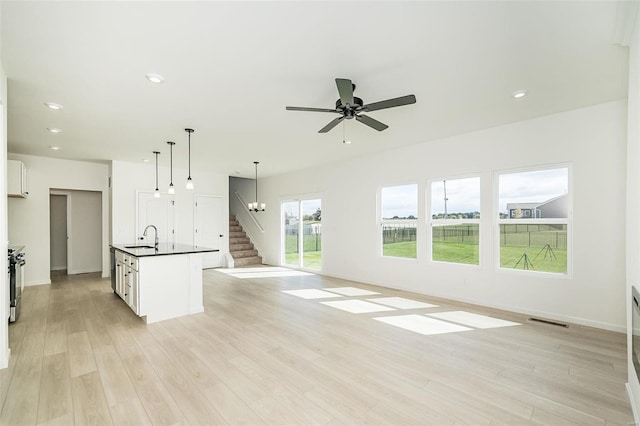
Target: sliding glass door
(302,233)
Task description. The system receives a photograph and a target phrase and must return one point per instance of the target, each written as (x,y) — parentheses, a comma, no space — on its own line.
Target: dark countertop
(164,249)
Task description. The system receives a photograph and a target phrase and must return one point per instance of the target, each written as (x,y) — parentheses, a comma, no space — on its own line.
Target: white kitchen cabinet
(132,290)
(16,179)
(162,283)
(127,278)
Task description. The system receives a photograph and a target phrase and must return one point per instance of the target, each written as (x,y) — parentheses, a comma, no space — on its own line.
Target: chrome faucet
(144,234)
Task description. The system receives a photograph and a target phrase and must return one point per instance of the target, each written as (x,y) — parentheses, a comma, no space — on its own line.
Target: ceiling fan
(349,106)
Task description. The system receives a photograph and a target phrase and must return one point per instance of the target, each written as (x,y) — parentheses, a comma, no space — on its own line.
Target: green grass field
(311,259)
(403,249)
(456,252)
(509,256)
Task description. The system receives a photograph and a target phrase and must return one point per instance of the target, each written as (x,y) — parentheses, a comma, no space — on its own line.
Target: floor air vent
(557,324)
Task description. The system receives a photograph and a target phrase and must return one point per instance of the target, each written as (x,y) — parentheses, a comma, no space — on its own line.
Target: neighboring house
(556,207)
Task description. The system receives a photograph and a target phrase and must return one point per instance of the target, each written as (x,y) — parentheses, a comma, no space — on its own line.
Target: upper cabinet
(16,179)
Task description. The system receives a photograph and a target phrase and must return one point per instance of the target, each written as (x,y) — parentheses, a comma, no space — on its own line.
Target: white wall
(58,230)
(29,217)
(592,139)
(85,232)
(633,204)
(4,285)
(129,178)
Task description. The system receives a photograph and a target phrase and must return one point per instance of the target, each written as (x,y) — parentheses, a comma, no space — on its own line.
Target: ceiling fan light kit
(349,107)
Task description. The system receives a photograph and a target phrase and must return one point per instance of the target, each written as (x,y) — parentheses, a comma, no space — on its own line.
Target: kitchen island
(162,282)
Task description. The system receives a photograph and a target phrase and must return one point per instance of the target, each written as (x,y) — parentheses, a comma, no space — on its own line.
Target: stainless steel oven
(16,281)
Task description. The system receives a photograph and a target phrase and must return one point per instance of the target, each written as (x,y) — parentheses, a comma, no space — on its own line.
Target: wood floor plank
(89,403)
(56,401)
(81,356)
(261,356)
(113,374)
(155,398)
(129,412)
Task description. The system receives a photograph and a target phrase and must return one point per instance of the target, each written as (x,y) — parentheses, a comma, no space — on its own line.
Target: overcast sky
(464,194)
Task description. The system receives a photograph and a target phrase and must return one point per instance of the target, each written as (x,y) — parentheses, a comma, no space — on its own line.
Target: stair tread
(243,261)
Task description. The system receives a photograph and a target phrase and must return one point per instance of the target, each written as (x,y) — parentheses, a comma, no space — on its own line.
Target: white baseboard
(4,361)
(83,271)
(548,315)
(58,268)
(38,282)
(633,405)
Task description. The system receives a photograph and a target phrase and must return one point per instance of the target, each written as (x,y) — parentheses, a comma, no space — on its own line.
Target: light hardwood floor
(260,356)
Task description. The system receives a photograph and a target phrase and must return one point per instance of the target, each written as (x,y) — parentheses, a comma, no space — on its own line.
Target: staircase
(240,246)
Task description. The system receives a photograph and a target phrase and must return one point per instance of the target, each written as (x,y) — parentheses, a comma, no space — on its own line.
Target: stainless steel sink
(139,246)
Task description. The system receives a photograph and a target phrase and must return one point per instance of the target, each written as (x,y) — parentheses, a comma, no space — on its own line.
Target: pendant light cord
(256,163)
(156,153)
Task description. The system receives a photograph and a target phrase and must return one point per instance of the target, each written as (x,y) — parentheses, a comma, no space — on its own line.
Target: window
(455,220)
(302,239)
(399,214)
(534,220)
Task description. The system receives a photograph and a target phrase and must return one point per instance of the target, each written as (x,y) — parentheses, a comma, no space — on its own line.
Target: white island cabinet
(162,283)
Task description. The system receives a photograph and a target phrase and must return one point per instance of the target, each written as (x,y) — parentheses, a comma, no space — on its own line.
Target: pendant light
(189,181)
(156,193)
(254,206)
(171,190)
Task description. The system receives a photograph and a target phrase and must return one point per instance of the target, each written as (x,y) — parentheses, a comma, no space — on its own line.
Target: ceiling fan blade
(331,125)
(371,122)
(345,89)
(390,103)
(291,108)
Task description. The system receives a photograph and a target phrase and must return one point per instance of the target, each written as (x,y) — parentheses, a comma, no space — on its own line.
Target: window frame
(381,222)
(568,221)
(299,199)
(430,221)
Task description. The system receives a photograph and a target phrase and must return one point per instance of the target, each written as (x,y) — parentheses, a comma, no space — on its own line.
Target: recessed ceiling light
(54,147)
(145,160)
(54,129)
(154,78)
(346,142)
(519,94)
(53,105)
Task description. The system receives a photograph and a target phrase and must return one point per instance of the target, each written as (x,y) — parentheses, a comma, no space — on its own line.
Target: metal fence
(527,235)
(311,240)
(466,233)
(397,233)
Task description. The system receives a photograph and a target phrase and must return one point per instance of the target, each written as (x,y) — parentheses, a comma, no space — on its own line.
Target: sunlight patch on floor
(401,303)
(422,325)
(357,306)
(311,293)
(351,291)
(473,320)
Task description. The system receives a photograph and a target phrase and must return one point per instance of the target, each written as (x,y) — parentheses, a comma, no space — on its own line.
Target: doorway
(75,219)
(302,233)
(207,232)
(58,231)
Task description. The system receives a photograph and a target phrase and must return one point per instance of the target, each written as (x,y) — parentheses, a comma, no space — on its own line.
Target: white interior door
(208,232)
(158,212)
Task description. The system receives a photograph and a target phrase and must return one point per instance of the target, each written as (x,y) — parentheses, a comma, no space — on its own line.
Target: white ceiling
(230,69)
